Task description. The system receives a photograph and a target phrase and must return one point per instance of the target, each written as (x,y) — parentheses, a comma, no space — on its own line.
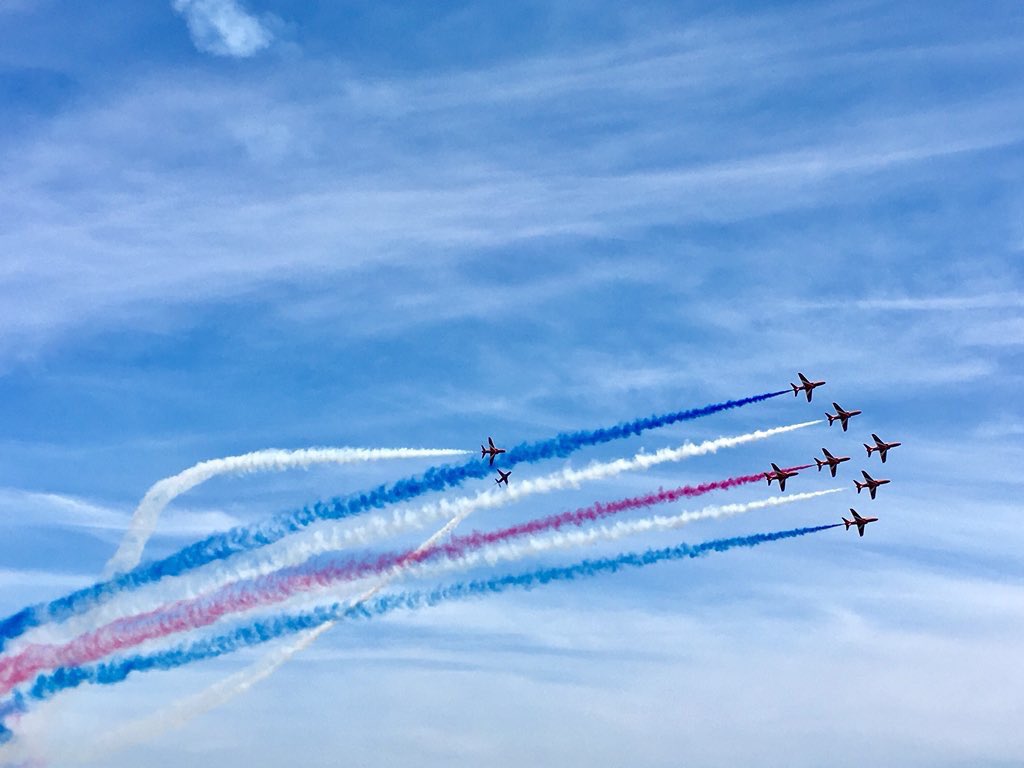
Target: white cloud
(223,27)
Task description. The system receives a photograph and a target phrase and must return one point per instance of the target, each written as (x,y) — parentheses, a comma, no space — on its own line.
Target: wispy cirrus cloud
(223,27)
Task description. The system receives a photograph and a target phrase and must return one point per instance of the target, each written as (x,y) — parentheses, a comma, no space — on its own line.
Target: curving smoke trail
(245,538)
(260,632)
(190,614)
(308,544)
(163,492)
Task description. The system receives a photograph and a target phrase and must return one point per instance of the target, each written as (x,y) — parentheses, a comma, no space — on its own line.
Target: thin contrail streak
(163,492)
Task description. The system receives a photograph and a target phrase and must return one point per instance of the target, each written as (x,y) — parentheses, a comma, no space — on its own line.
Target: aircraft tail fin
(819,462)
(796,389)
(860,486)
(870,449)
(848,523)
(831,418)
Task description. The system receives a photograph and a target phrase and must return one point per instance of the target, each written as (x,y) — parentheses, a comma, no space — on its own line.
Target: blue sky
(226,227)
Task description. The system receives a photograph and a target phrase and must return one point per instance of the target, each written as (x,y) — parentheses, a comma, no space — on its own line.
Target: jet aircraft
(841,415)
(880,445)
(859,521)
(780,474)
(490,450)
(502,477)
(805,386)
(870,483)
(832,462)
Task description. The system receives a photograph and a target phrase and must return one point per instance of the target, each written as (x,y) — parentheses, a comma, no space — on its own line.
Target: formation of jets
(777,473)
(843,416)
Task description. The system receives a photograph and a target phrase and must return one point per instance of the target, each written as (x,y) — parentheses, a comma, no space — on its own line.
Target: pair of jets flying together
(493,451)
(841,415)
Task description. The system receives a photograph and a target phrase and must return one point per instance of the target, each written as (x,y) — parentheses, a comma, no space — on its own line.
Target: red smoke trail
(185,615)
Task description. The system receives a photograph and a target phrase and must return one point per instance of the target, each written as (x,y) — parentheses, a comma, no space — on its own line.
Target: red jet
(491,450)
(503,477)
(841,415)
(780,474)
(830,461)
(859,521)
(870,483)
(805,386)
(880,445)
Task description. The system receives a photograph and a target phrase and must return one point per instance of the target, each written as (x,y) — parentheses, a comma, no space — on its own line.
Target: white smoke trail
(141,527)
(185,710)
(181,712)
(520,547)
(223,691)
(163,492)
(533,545)
(298,548)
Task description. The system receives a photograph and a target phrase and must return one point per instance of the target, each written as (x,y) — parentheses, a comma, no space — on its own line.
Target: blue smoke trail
(265,630)
(244,538)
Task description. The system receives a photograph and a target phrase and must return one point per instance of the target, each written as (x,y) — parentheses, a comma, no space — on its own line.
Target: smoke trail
(268,561)
(245,538)
(163,492)
(47,686)
(181,712)
(194,613)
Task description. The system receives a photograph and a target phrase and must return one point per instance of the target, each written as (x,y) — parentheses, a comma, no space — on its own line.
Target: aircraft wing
(860,529)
